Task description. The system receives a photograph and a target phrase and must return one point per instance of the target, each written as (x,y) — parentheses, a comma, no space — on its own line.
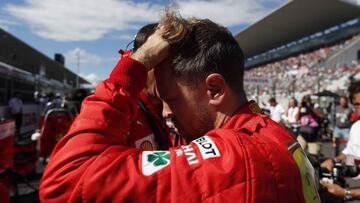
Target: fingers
(333,189)
(160,30)
(173,28)
(153,51)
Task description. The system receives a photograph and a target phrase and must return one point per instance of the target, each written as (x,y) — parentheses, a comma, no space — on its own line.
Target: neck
(231,107)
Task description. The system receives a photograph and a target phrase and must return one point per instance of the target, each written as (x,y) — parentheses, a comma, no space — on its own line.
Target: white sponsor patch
(207,147)
(153,161)
(146,143)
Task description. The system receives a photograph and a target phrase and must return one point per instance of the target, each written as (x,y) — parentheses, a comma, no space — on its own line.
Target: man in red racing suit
(248,158)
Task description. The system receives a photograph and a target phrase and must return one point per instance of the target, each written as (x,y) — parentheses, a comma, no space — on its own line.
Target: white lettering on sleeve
(190,154)
(207,147)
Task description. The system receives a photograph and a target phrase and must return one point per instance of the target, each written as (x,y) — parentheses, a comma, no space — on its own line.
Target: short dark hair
(344,97)
(143,34)
(295,100)
(272,100)
(306,98)
(205,49)
(353,89)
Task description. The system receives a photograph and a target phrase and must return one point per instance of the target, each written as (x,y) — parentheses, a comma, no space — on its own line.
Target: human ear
(216,88)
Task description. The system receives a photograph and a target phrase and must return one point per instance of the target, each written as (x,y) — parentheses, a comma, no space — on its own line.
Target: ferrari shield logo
(153,161)
(146,143)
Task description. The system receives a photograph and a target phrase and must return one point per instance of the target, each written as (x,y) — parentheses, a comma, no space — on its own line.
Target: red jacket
(148,131)
(249,159)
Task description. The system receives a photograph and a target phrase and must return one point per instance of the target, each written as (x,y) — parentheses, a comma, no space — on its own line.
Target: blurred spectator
(58,101)
(309,119)
(351,151)
(343,122)
(276,110)
(16,108)
(289,117)
(290,114)
(54,101)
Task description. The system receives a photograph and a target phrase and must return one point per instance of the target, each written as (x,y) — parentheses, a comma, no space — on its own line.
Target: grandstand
(42,73)
(307,72)
(303,52)
(27,71)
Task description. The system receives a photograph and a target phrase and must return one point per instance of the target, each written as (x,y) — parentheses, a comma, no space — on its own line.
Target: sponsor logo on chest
(190,154)
(207,147)
(146,143)
(153,161)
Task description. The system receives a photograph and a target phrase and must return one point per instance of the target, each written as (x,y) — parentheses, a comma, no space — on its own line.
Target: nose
(166,112)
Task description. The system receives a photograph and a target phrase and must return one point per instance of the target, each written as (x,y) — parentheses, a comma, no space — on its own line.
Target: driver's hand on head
(153,51)
(334,189)
(328,164)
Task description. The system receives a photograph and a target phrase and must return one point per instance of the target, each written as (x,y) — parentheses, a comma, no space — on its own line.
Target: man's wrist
(143,58)
(348,194)
(130,74)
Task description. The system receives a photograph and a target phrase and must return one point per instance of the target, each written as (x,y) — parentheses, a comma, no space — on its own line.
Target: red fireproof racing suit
(249,159)
(148,131)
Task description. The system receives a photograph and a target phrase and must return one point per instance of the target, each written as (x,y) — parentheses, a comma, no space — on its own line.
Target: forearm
(356,193)
(341,157)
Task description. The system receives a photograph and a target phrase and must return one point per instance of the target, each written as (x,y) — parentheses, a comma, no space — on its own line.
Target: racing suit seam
(82,183)
(273,171)
(246,161)
(231,132)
